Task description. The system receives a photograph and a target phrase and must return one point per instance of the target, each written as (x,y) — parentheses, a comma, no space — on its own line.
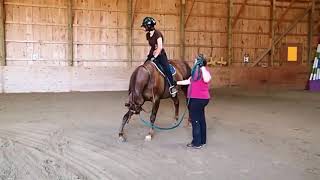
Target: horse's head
(138,82)
(135,103)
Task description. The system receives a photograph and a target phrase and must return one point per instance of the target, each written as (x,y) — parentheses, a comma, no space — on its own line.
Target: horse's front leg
(125,120)
(153,116)
(176,107)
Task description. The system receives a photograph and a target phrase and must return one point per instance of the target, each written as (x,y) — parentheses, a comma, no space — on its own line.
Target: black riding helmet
(148,23)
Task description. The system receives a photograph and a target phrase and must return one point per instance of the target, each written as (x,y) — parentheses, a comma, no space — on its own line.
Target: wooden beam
(310,33)
(299,18)
(193,2)
(70,33)
(285,12)
(182,29)
(235,20)
(230,53)
(2,35)
(273,11)
(130,31)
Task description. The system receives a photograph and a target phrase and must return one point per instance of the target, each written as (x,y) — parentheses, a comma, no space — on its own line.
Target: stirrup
(173,91)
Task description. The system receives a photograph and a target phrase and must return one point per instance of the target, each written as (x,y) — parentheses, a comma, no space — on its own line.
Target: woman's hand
(184,82)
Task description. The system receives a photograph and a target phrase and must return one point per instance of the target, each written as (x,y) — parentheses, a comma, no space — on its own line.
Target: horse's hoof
(122,139)
(148,138)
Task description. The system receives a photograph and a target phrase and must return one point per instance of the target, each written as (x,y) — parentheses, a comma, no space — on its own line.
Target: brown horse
(147,84)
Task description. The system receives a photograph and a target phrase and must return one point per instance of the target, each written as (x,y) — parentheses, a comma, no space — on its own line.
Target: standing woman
(157,52)
(199,96)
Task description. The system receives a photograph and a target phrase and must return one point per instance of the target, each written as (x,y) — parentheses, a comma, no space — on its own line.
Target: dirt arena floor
(251,136)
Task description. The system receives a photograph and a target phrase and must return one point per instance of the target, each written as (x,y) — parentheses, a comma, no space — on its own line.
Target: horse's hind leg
(153,116)
(176,107)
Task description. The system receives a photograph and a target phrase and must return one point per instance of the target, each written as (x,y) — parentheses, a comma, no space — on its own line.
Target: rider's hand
(149,57)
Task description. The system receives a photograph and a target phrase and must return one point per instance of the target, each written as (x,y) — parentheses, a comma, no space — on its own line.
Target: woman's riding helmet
(148,23)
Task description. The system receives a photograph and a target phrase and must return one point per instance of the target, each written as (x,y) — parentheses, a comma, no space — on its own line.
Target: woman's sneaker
(193,146)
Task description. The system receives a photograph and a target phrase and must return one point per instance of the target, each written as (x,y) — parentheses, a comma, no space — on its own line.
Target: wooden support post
(310,33)
(182,29)
(235,20)
(273,11)
(133,11)
(70,33)
(299,18)
(193,2)
(230,53)
(271,15)
(130,31)
(2,35)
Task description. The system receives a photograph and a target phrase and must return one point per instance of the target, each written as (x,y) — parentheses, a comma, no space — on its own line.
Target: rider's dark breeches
(163,61)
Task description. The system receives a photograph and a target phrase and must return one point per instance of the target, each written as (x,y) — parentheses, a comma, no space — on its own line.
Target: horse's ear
(127,105)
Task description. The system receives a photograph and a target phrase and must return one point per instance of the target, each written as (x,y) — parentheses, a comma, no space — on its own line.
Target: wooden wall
(36,35)
(299,34)
(100,32)
(37,31)
(206,30)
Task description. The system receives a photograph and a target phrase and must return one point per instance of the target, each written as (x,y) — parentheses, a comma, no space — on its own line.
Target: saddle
(173,71)
(160,68)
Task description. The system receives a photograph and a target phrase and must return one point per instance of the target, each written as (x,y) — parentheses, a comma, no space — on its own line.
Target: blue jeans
(198,120)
